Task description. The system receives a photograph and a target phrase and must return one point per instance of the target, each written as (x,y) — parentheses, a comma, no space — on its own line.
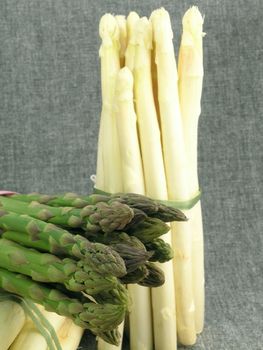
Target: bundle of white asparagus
(148,145)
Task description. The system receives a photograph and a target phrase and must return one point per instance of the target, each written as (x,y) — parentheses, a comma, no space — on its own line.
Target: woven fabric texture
(49,118)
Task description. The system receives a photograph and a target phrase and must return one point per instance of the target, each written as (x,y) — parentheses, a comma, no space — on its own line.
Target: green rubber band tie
(41,323)
(183,205)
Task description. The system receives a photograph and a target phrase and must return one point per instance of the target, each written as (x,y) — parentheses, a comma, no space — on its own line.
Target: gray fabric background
(49,116)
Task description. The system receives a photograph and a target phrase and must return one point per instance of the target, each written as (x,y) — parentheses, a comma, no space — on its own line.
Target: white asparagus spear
(108,148)
(111,165)
(190,73)
(12,319)
(30,338)
(140,317)
(126,119)
(176,167)
(121,20)
(149,132)
(130,50)
(163,298)
(129,57)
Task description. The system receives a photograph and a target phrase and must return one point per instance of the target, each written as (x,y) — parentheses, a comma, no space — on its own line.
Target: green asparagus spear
(96,317)
(48,237)
(118,295)
(155,277)
(112,337)
(151,207)
(149,229)
(161,250)
(130,248)
(93,218)
(43,267)
(135,276)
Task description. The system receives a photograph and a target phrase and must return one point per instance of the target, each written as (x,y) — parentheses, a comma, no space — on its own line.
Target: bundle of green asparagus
(73,254)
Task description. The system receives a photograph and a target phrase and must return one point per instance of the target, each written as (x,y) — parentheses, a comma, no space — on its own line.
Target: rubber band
(178,204)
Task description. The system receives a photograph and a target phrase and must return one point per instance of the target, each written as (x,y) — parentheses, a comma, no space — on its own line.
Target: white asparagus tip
(131,23)
(193,21)
(161,22)
(131,20)
(108,28)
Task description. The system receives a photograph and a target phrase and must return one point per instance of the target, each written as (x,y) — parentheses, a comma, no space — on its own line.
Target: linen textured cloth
(49,118)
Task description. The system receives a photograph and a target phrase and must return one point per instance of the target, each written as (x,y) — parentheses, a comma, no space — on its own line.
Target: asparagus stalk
(131,41)
(133,181)
(47,237)
(162,298)
(176,167)
(96,317)
(42,267)
(134,258)
(148,205)
(190,72)
(154,278)
(108,148)
(127,133)
(99,217)
(129,248)
(12,319)
(110,65)
(149,229)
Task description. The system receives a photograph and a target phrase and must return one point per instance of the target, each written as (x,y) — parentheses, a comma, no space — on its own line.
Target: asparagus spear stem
(94,218)
(98,318)
(127,133)
(176,166)
(133,180)
(148,205)
(42,267)
(108,147)
(162,298)
(190,71)
(48,237)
